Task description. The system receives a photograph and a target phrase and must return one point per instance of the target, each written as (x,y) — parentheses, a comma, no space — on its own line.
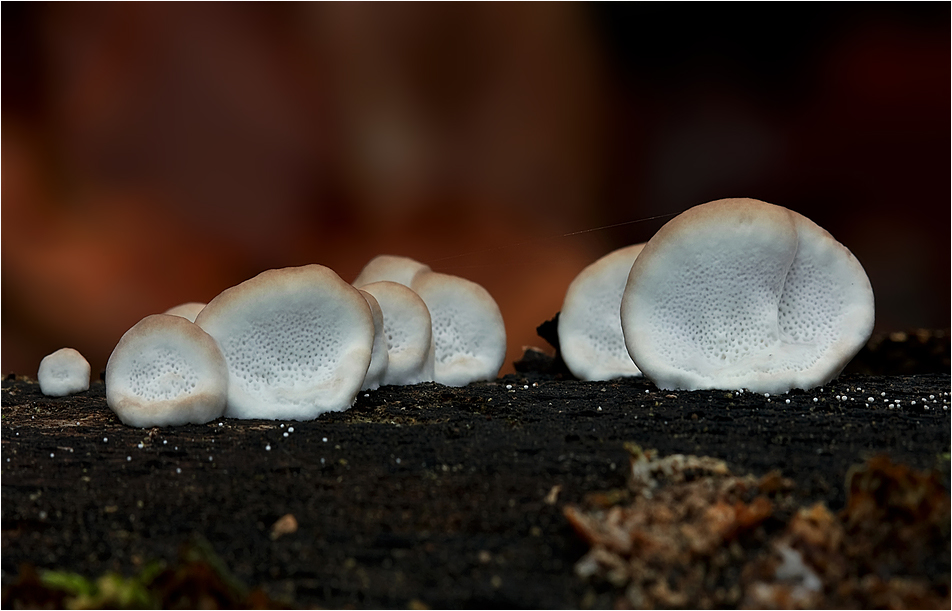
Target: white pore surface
(189,310)
(63,373)
(401,270)
(408,332)
(166,371)
(298,342)
(742,294)
(379,358)
(590,336)
(469,335)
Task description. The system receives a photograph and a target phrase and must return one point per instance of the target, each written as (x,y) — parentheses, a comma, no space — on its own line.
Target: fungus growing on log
(590,336)
(469,336)
(164,371)
(64,372)
(738,293)
(298,343)
(408,333)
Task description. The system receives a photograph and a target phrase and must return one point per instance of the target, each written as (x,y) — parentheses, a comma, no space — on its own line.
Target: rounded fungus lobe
(298,343)
(63,372)
(188,311)
(379,358)
(590,336)
(390,267)
(408,332)
(166,371)
(469,336)
(738,293)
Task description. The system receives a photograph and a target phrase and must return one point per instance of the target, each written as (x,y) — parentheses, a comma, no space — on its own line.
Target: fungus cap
(166,370)
(408,332)
(469,336)
(379,358)
(738,293)
(63,372)
(189,310)
(590,336)
(297,340)
(390,267)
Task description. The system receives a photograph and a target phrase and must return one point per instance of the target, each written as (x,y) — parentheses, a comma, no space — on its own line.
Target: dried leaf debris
(692,534)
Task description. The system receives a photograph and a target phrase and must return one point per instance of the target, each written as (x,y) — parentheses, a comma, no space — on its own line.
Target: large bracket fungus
(297,341)
(738,293)
(166,371)
(63,372)
(590,335)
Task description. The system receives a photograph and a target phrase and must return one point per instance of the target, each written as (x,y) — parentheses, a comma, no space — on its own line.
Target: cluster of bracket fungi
(732,294)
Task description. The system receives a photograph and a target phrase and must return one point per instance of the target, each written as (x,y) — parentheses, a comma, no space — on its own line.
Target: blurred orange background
(157,153)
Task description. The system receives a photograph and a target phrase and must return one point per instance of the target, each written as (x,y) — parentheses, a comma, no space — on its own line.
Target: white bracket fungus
(166,371)
(469,336)
(298,343)
(390,267)
(63,372)
(738,293)
(590,336)
(408,332)
(189,310)
(379,357)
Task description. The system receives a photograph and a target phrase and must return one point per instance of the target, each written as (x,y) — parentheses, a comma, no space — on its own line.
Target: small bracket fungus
(298,343)
(408,332)
(738,293)
(590,335)
(469,336)
(62,373)
(390,267)
(166,371)
(379,357)
(186,310)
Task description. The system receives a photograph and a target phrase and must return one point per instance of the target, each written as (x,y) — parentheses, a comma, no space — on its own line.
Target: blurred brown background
(159,153)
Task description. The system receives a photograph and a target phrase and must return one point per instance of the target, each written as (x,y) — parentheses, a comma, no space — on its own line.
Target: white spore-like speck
(290,429)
